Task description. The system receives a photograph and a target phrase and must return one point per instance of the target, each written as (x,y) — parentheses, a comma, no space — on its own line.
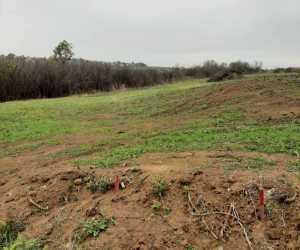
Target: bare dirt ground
(193,190)
(211,199)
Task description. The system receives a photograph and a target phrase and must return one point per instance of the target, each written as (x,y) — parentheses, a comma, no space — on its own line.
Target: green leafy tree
(63,52)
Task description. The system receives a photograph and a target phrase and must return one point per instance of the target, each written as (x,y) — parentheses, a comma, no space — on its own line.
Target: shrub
(294,165)
(24,244)
(91,228)
(159,187)
(94,227)
(225,75)
(159,208)
(102,185)
(25,78)
(9,231)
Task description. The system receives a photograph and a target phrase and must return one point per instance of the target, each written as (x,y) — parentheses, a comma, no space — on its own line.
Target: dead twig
(194,209)
(140,184)
(208,229)
(201,202)
(237,217)
(211,213)
(232,212)
(191,204)
(130,217)
(282,218)
(226,221)
(292,199)
(252,202)
(31,201)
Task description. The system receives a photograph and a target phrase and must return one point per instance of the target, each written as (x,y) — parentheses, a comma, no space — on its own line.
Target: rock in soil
(72,175)
(2,182)
(185,181)
(78,182)
(274,234)
(91,212)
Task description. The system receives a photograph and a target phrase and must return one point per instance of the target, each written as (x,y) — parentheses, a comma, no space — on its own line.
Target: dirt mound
(261,99)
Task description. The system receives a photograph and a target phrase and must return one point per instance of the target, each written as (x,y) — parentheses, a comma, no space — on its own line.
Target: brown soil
(263,100)
(138,226)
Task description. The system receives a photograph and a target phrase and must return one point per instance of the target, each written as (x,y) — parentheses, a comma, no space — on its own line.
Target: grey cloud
(157,32)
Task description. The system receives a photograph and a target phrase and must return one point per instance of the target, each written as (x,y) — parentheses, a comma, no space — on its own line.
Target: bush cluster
(28,78)
(212,68)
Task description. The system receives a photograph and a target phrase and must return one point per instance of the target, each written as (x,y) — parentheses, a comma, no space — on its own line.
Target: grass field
(126,124)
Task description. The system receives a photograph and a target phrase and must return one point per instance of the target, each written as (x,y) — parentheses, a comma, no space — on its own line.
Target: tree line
(211,68)
(27,78)
(60,75)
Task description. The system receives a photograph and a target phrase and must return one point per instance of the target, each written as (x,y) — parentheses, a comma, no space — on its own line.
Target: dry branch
(226,221)
(31,201)
(235,213)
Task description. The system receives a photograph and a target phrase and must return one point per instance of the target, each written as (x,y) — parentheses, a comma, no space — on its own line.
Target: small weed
(25,244)
(159,208)
(9,231)
(94,227)
(159,187)
(284,180)
(91,228)
(166,211)
(156,205)
(102,185)
(294,165)
(186,189)
(190,247)
(269,210)
(59,218)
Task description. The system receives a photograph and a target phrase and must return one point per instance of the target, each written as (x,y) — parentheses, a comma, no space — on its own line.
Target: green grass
(84,149)
(27,147)
(148,122)
(251,163)
(35,119)
(200,135)
(258,163)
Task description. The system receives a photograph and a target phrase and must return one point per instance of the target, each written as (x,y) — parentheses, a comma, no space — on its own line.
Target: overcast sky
(157,32)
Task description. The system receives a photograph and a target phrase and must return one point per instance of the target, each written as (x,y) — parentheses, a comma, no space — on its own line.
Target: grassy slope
(133,122)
